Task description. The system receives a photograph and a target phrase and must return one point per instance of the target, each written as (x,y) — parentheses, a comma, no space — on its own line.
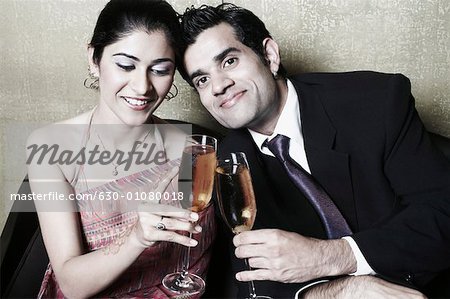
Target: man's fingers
(248,251)
(254,237)
(259,274)
(258,262)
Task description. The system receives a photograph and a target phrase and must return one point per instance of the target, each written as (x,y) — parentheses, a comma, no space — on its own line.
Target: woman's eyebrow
(159,60)
(127,55)
(155,61)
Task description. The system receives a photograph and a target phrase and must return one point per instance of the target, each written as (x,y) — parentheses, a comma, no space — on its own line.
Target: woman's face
(135,74)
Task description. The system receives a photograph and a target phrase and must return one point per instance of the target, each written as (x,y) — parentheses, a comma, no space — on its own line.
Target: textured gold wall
(43,57)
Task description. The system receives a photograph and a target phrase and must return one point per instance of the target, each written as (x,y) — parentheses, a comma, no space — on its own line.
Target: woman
(104,243)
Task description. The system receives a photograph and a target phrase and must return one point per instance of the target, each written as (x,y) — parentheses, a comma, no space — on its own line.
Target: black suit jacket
(368,148)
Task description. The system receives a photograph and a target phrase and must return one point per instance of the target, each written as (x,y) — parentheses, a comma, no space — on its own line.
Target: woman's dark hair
(248,28)
(121,17)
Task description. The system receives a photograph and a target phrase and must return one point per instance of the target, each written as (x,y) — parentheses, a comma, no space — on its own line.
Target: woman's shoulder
(51,148)
(168,130)
(173,138)
(81,119)
(63,133)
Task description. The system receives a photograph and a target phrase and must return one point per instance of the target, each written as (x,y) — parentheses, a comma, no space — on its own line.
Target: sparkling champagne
(237,204)
(197,175)
(195,181)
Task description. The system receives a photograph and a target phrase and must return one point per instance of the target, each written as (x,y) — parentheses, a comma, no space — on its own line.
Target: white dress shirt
(289,124)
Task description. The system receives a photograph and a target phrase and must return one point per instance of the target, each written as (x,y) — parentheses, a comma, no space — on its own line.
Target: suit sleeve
(414,242)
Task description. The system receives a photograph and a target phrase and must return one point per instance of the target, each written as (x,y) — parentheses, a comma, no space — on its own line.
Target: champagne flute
(236,199)
(196,179)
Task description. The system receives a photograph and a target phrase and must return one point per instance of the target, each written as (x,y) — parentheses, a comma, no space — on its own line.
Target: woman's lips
(137,103)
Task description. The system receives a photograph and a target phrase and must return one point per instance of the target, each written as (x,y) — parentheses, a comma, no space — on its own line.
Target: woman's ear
(272,54)
(93,67)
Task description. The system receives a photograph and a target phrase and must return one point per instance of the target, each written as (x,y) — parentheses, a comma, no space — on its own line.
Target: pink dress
(106,229)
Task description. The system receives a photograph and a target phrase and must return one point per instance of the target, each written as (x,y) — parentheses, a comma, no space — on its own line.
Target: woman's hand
(159,222)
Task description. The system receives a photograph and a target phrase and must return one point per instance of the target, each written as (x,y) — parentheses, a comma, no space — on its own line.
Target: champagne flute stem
(186,259)
(251,285)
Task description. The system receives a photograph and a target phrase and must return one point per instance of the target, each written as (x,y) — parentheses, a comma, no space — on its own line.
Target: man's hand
(364,287)
(289,257)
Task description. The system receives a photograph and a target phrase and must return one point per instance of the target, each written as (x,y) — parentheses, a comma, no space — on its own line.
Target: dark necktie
(334,222)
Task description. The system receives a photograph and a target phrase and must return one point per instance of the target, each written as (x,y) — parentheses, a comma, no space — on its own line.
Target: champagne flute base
(189,284)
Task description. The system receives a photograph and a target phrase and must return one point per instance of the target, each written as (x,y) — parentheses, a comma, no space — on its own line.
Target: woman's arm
(82,274)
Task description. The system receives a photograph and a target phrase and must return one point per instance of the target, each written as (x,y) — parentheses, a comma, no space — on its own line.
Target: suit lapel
(329,167)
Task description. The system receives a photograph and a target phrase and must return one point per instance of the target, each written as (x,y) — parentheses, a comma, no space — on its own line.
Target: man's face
(234,85)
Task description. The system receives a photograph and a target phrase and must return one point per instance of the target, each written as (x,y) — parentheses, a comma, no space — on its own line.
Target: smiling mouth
(136,102)
(232,100)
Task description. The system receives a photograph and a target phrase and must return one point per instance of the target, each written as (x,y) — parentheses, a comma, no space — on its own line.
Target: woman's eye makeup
(126,67)
(159,69)
(162,69)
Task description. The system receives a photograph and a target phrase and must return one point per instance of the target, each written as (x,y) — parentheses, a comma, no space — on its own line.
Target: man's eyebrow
(196,74)
(218,58)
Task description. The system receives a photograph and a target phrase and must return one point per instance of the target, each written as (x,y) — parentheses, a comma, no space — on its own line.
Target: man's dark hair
(248,28)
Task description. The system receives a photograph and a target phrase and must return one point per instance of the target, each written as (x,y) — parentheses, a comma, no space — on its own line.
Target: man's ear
(93,67)
(272,54)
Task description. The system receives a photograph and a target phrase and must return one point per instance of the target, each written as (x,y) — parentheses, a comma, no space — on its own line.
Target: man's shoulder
(362,79)
(236,136)
(235,140)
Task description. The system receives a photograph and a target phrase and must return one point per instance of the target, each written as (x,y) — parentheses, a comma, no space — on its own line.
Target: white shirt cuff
(299,292)
(362,267)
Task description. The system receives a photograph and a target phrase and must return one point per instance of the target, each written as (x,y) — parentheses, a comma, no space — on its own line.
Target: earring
(171,94)
(275,75)
(91,82)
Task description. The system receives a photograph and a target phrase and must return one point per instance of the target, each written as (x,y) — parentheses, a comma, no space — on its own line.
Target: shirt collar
(288,124)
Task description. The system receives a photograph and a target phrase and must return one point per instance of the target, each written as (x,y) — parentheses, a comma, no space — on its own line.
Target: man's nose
(220,84)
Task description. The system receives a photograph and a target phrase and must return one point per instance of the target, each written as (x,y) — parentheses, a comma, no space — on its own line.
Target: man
(357,134)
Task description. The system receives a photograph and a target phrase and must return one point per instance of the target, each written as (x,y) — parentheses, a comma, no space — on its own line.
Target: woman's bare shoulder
(81,119)
(63,133)
(173,138)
